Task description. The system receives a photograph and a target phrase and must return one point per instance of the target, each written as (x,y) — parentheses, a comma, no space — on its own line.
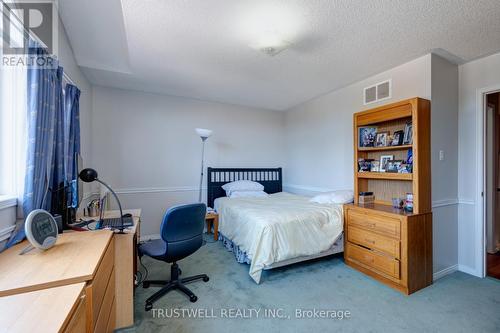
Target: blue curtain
(45,151)
(72,135)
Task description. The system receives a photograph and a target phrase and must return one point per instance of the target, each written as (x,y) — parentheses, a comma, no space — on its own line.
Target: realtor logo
(22,19)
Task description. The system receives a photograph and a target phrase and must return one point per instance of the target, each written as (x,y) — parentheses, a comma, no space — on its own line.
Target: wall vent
(377,92)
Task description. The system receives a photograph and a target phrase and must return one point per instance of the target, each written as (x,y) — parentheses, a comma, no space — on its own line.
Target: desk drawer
(375,241)
(97,288)
(377,223)
(374,260)
(78,321)
(107,307)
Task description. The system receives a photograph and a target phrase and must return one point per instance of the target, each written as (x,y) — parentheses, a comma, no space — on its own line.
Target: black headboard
(270,178)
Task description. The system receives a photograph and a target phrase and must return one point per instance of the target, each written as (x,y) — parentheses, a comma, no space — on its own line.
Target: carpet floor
(232,302)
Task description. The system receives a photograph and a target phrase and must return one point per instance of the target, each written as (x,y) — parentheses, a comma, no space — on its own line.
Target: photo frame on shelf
(364,165)
(408,134)
(393,166)
(375,167)
(366,136)
(383,162)
(397,138)
(381,139)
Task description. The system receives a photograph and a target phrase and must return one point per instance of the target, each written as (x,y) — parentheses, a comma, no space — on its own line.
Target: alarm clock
(41,229)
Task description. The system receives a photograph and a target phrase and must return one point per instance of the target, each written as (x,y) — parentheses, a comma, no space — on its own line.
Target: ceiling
(200,49)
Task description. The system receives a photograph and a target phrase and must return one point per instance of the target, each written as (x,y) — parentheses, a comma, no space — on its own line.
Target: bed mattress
(278,228)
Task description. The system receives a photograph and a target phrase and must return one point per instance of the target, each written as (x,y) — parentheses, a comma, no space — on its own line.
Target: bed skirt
(240,255)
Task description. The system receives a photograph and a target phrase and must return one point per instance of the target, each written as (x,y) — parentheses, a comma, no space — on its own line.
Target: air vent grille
(377,92)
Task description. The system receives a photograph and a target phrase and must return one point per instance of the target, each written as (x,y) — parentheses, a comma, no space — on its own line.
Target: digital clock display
(42,227)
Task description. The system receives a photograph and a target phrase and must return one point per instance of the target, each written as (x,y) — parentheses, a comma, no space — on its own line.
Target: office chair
(181,236)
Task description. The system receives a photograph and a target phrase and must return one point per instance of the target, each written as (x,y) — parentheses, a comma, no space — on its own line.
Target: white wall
(319,132)
(319,141)
(444,137)
(479,74)
(144,145)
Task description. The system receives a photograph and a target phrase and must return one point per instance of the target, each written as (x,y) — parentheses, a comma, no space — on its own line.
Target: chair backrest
(183,222)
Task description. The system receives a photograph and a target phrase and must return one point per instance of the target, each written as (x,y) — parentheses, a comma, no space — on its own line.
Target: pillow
(335,197)
(242,185)
(248,194)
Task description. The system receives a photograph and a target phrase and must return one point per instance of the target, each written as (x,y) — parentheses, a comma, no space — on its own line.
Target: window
(13,104)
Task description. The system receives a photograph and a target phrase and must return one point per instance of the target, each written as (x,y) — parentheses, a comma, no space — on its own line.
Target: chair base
(174,283)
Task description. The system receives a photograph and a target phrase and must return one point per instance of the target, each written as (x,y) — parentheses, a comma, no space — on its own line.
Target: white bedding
(279,227)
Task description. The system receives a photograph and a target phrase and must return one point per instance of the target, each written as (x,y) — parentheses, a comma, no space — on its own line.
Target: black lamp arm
(116,198)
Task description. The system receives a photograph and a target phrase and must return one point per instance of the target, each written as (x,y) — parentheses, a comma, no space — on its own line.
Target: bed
(278,230)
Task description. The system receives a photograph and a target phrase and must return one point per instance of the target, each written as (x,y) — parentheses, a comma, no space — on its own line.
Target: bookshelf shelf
(369,149)
(385,175)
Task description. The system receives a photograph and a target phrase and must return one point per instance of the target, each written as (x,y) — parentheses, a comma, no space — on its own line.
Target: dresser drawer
(374,260)
(374,241)
(377,223)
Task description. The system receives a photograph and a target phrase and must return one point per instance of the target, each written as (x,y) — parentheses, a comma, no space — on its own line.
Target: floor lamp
(204,135)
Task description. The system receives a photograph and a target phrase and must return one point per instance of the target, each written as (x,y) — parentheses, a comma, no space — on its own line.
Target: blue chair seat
(156,249)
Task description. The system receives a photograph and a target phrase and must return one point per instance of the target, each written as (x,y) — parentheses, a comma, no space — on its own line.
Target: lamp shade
(203,133)
(88,175)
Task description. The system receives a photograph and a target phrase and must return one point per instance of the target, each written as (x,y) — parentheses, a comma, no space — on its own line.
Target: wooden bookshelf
(391,118)
(389,244)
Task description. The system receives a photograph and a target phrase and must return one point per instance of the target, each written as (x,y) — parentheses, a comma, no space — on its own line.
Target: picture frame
(397,138)
(375,167)
(381,139)
(383,162)
(364,165)
(408,134)
(393,166)
(366,136)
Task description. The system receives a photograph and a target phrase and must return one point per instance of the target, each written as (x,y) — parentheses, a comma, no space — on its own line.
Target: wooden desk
(125,267)
(103,261)
(28,312)
(74,258)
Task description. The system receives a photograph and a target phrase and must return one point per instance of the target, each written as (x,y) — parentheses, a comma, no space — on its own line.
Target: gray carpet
(457,302)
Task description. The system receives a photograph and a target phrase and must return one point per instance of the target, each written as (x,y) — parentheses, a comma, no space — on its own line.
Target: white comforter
(280,227)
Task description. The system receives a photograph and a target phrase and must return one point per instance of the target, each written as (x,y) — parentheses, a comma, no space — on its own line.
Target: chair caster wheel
(148,306)
(145,284)
(205,279)
(193,299)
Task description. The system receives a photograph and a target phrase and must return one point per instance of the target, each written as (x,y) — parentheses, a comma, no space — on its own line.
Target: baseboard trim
(468,270)
(444,272)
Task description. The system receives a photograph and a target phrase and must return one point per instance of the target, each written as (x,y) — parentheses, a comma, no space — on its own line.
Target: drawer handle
(369,259)
(372,225)
(369,241)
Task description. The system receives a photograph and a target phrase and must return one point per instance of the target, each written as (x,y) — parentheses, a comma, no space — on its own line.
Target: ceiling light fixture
(271,43)
(270,28)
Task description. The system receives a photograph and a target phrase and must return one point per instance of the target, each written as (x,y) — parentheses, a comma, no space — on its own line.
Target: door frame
(480,221)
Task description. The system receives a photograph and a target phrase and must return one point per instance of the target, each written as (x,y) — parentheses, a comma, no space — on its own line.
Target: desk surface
(73,259)
(39,311)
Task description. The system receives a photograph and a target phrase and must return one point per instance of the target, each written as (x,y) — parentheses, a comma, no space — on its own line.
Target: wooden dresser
(390,244)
